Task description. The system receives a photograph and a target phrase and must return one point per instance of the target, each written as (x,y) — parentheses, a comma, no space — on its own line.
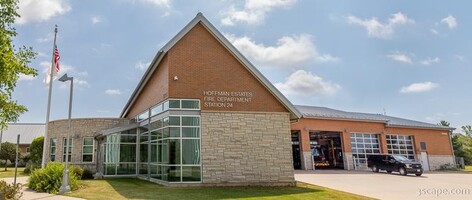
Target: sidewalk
(30,194)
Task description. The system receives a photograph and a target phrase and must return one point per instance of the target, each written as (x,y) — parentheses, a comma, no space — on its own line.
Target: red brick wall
(437,141)
(202,63)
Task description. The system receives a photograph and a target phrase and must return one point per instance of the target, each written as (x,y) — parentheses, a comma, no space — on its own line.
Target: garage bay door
(400,145)
(362,145)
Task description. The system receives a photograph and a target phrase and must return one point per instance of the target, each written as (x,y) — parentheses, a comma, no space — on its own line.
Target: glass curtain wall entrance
(120,153)
(166,144)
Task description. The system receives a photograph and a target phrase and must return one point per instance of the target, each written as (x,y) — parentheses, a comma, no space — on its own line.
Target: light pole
(65,174)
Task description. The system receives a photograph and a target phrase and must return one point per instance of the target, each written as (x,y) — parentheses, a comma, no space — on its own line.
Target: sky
(409,59)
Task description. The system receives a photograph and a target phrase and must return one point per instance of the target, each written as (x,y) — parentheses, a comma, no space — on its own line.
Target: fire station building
(203,114)
(329,138)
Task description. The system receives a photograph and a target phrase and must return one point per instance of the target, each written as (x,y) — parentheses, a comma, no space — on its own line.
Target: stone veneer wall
(435,161)
(307,160)
(242,148)
(81,128)
(348,161)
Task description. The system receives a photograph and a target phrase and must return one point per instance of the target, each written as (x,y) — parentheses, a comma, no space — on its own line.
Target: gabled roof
(245,62)
(27,131)
(328,113)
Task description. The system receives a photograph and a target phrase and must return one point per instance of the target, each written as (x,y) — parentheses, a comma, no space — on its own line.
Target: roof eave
(152,67)
(295,114)
(345,119)
(103,133)
(420,127)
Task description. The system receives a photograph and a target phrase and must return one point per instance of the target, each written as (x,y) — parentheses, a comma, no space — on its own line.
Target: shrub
(447,166)
(30,167)
(87,174)
(25,158)
(36,149)
(10,191)
(78,171)
(49,179)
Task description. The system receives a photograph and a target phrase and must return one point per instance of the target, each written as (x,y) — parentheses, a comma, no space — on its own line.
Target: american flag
(57,57)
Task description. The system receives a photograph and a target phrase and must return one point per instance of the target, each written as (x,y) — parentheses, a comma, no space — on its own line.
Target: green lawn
(126,188)
(468,168)
(11,172)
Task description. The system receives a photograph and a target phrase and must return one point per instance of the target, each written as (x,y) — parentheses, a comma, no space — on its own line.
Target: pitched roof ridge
(199,18)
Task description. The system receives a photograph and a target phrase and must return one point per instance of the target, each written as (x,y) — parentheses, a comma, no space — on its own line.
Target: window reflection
(166,148)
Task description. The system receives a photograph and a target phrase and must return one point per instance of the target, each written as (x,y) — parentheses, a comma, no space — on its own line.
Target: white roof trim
(419,127)
(147,75)
(346,119)
(251,68)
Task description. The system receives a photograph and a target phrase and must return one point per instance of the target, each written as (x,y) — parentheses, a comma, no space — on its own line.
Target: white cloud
(47,38)
(24,77)
(289,50)
(407,58)
(254,11)
(65,68)
(167,13)
(306,83)
(96,19)
(39,11)
(142,65)
(84,73)
(450,21)
(42,54)
(430,61)
(160,3)
(434,31)
(381,30)
(112,92)
(79,81)
(419,87)
(400,57)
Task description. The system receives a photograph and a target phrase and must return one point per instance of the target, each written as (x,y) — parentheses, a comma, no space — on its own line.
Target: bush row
(49,179)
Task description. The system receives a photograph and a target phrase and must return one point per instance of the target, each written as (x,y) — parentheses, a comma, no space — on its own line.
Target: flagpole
(43,162)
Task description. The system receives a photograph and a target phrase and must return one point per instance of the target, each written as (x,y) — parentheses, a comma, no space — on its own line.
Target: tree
(463,147)
(36,150)
(13,62)
(444,123)
(467,130)
(8,153)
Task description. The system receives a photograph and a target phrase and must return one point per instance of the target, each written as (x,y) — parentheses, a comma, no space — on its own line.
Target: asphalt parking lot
(432,185)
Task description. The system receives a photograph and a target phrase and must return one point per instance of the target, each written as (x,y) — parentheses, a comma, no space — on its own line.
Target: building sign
(225,99)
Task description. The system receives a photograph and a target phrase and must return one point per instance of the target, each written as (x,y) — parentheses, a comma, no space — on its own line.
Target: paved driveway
(432,185)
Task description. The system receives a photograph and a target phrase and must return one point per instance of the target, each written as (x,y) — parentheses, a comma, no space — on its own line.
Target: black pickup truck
(396,163)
